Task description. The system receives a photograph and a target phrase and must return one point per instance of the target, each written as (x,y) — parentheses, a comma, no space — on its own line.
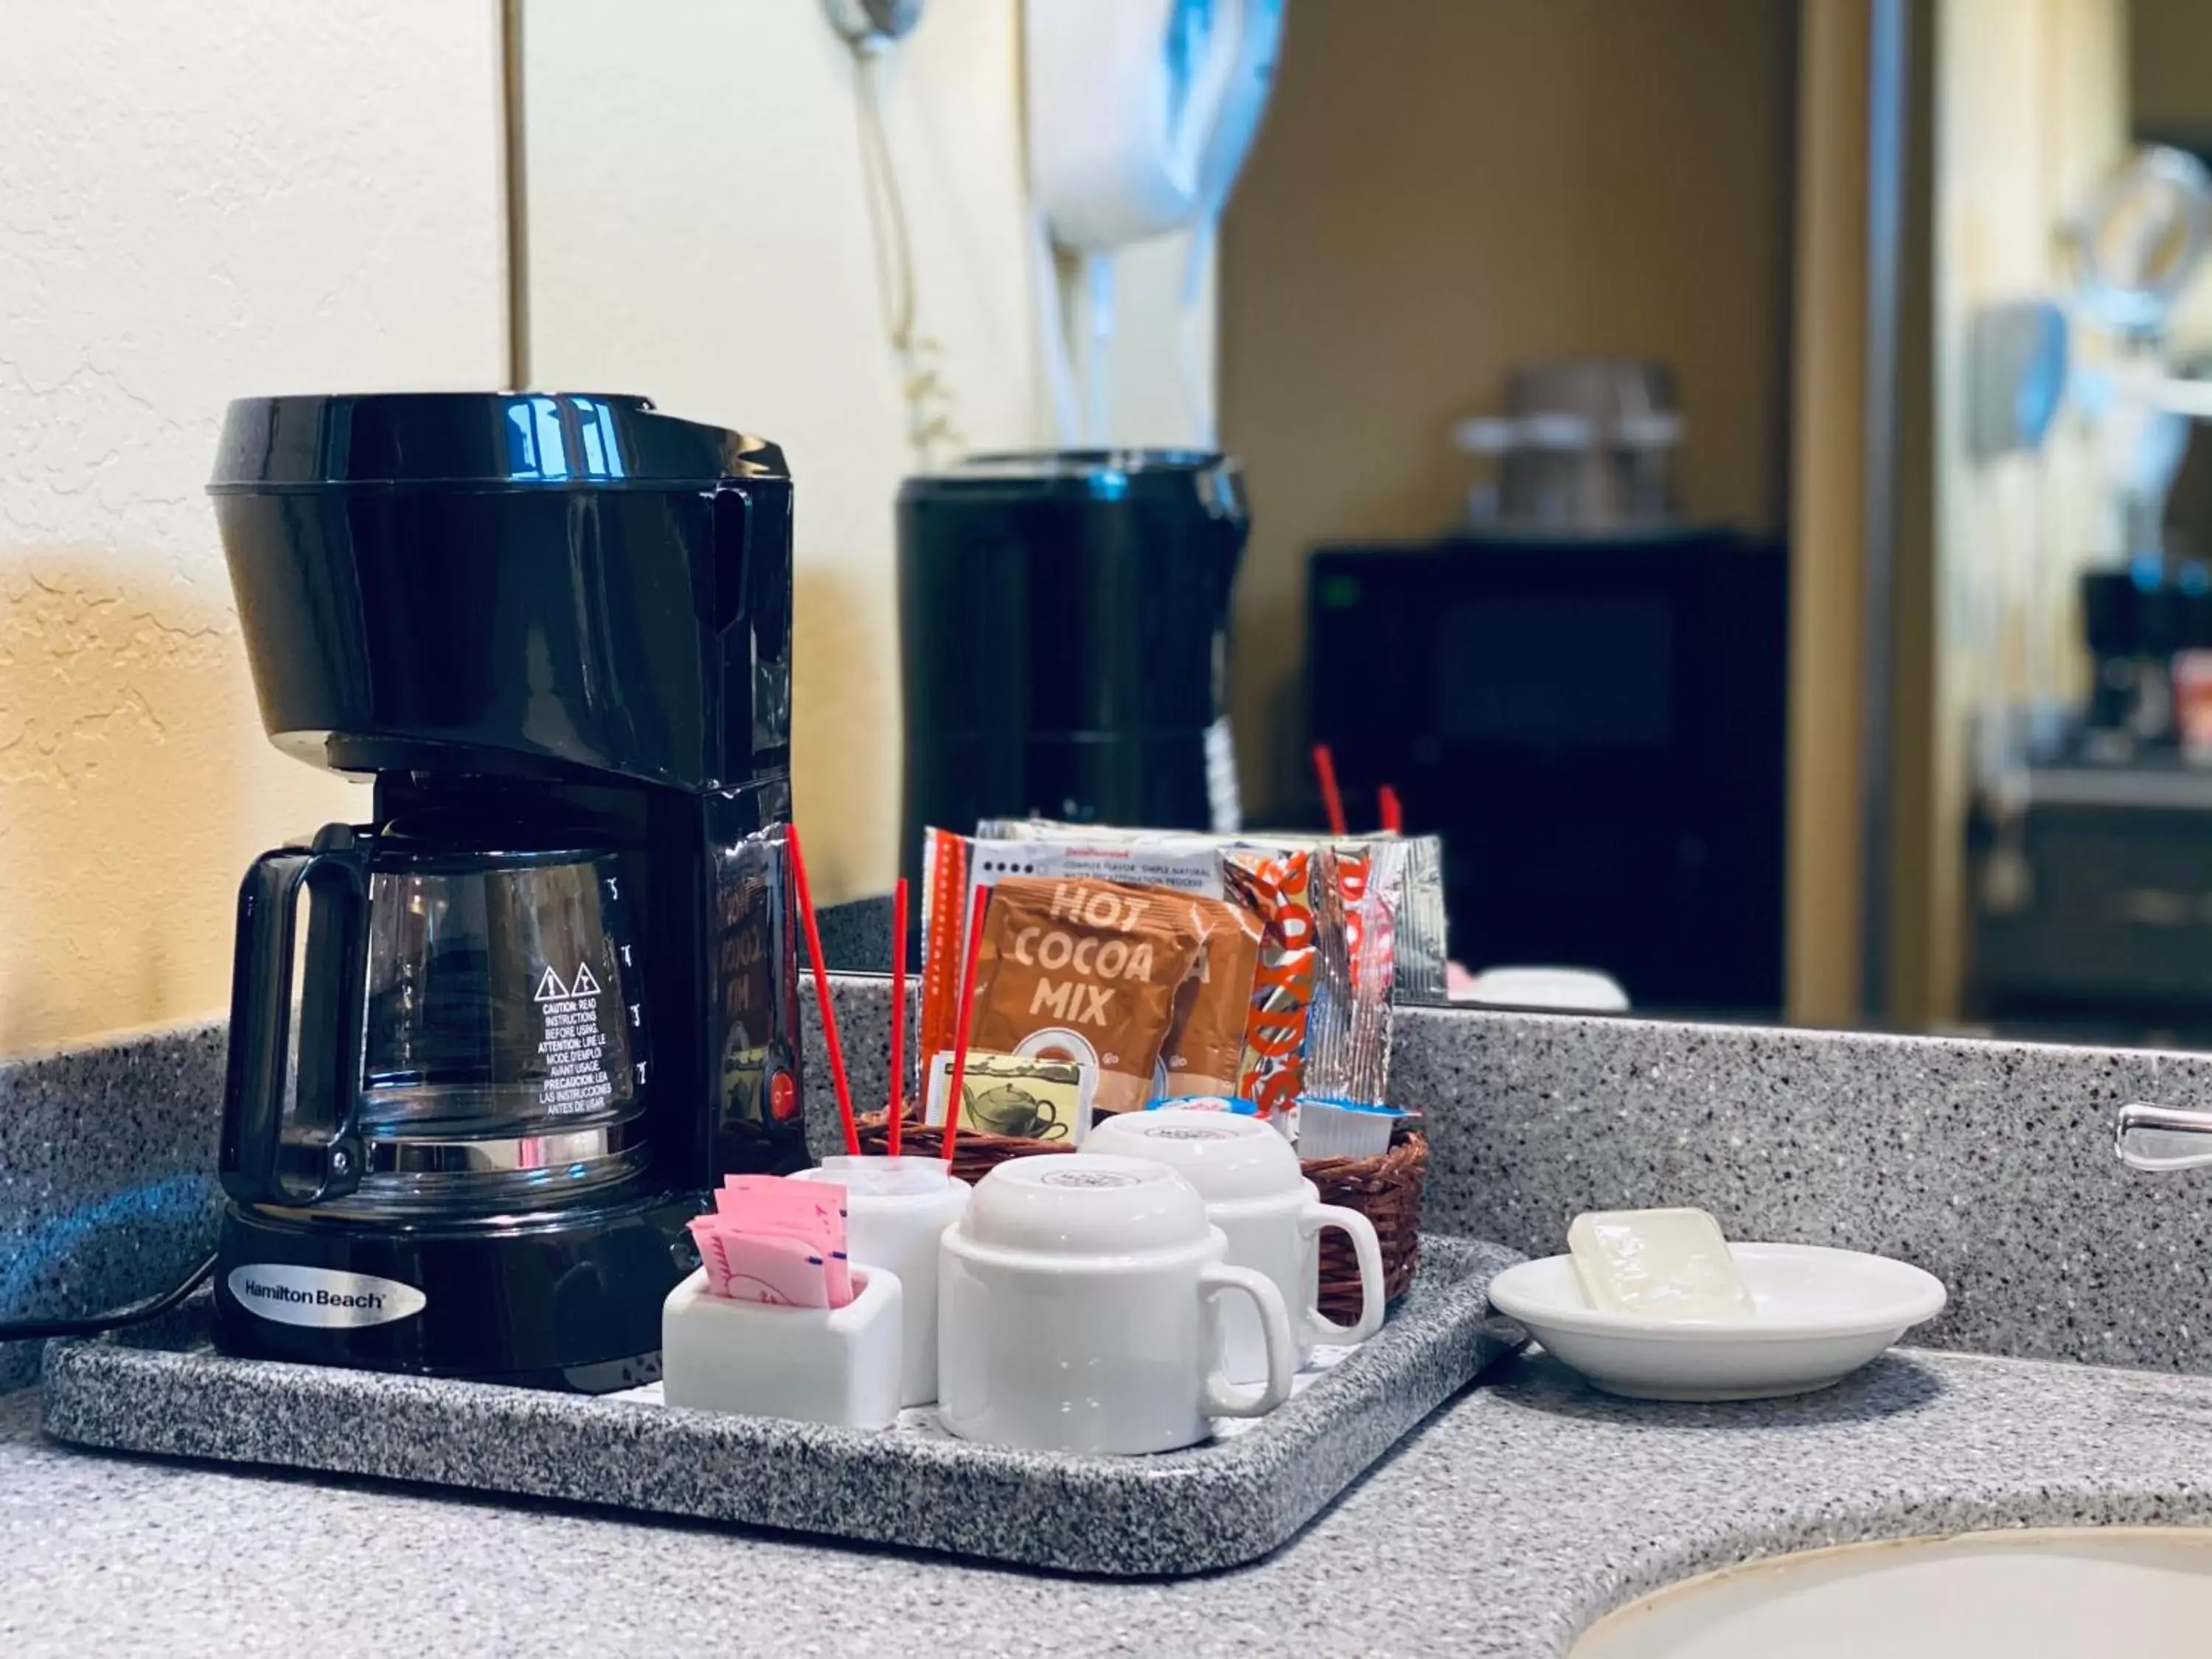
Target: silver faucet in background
(2162,1138)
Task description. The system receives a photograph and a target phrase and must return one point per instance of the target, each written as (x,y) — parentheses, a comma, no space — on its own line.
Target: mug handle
(1222,1397)
(1317,1327)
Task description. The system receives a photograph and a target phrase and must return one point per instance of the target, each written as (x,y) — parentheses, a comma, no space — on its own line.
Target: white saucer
(1822,1313)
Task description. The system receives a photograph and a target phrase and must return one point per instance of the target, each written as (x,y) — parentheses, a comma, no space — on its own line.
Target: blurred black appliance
(2094,904)
(2134,620)
(1064,631)
(1596,726)
(547,995)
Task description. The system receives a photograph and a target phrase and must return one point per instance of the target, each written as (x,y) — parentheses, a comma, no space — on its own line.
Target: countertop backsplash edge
(1989,1163)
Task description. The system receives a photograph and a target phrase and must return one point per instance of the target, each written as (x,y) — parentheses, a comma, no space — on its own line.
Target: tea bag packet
(1085,970)
(1343,1111)
(1348,1056)
(1348,1046)
(1036,1096)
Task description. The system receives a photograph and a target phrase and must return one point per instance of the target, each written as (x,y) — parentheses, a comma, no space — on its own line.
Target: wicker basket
(1387,1190)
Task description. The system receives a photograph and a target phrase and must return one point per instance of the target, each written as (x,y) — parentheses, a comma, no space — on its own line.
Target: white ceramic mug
(1078,1309)
(1271,1214)
(895,1208)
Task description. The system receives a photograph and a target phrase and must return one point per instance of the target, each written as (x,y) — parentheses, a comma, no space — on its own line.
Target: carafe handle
(314,1151)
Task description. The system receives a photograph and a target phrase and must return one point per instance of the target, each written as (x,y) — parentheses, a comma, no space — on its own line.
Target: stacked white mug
(1077,1311)
(1271,1215)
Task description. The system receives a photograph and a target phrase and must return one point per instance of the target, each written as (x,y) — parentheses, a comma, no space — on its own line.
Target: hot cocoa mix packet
(1087,969)
(1206,1043)
(954,864)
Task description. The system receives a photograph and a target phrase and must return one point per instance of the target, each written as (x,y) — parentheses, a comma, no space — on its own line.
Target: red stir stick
(821,991)
(899,1012)
(1332,800)
(1392,813)
(966,1015)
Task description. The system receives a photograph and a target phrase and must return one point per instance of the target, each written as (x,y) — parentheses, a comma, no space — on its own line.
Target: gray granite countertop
(1518,1513)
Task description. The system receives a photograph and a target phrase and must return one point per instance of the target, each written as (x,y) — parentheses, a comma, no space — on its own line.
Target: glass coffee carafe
(455,1028)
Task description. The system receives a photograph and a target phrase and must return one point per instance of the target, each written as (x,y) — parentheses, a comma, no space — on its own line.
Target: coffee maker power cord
(40,1330)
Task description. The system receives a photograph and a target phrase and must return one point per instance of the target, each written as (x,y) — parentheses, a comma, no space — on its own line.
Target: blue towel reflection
(54,1253)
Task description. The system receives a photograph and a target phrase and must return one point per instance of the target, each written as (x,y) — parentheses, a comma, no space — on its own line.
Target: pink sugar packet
(776,1241)
(813,1212)
(781,1272)
(767,1202)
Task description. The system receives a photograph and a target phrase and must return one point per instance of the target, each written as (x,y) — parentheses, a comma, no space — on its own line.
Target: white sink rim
(1716,1583)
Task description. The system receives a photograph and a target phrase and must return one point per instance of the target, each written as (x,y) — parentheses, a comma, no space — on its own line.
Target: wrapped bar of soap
(1657,1264)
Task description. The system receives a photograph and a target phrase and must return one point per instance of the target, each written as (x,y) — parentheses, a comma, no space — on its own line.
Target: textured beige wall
(246,197)
(2169,100)
(698,232)
(1477,184)
(2169,66)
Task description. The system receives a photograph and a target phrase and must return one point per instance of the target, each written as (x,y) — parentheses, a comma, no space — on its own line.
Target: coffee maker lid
(537,440)
(1175,476)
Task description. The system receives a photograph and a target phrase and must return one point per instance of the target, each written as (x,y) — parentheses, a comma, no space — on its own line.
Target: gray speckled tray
(1236,1497)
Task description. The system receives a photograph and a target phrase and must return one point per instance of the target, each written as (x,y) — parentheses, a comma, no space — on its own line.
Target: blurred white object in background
(1588,446)
(2139,239)
(1580,989)
(1140,114)
(2138,243)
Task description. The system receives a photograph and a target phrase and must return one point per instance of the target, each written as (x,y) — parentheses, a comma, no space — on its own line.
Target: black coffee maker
(547,996)
(1064,634)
